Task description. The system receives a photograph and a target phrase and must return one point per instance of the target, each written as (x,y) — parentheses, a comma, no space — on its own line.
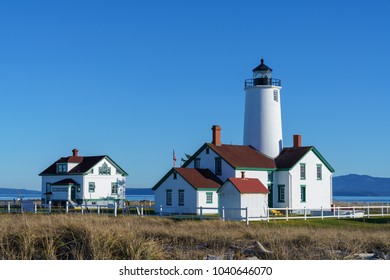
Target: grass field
(93,237)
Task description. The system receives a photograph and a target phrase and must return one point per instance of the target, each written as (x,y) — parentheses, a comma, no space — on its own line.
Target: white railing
(199,213)
(223,213)
(357,211)
(335,212)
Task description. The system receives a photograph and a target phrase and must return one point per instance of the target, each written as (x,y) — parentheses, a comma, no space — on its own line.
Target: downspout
(197,202)
(331,190)
(290,190)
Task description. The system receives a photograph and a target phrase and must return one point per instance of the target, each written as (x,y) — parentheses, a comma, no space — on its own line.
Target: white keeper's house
(83,180)
(260,174)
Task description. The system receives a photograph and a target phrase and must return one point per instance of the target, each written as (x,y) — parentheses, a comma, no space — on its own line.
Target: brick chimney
(216,135)
(297,141)
(75,152)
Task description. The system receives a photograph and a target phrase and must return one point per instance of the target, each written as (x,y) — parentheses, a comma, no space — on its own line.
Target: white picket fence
(223,213)
(335,212)
(355,211)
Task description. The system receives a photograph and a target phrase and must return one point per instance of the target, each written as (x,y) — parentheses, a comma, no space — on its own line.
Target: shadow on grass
(373,220)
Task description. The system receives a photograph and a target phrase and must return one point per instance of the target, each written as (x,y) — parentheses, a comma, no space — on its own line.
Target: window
(91,186)
(281,195)
(62,168)
(181,197)
(207,150)
(48,187)
(104,170)
(276,97)
(209,197)
(197,163)
(218,166)
(114,188)
(303,171)
(319,171)
(168,197)
(303,193)
(174,175)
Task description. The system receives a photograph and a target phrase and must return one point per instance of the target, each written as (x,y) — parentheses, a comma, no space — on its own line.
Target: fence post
(21,207)
(246,216)
(322,213)
(98,209)
(180,215)
(9,207)
(334,210)
(201,213)
(267,214)
(353,211)
(382,210)
(304,212)
(368,210)
(35,208)
(142,210)
(49,206)
(67,207)
(286,213)
(160,210)
(223,213)
(115,209)
(338,212)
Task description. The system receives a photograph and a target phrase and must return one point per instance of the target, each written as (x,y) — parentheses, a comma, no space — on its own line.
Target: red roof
(84,164)
(290,156)
(248,185)
(199,178)
(76,159)
(243,156)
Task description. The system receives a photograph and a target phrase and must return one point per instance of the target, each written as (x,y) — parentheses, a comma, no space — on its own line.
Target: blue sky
(137,79)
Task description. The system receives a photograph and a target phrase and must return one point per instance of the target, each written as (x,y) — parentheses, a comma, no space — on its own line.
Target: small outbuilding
(240,193)
(186,190)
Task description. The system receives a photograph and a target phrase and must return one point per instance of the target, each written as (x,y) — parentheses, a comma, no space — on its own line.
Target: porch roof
(64,182)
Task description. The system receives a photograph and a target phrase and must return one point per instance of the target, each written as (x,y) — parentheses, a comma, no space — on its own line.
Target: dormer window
(197,163)
(62,168)
(104,170)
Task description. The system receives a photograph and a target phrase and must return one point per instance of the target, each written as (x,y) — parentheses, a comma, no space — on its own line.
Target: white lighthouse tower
(263,118)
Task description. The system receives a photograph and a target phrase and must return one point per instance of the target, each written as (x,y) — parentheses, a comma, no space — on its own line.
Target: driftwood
(251,252)
(378,255)
(262,249)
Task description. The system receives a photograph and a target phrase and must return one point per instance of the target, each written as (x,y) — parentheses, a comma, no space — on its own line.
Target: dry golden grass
(93,237)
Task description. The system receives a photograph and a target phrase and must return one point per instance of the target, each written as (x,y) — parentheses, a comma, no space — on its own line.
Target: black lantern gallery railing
(262,82)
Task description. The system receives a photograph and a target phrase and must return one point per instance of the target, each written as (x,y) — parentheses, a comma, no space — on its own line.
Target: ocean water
(139,194)
(131,194)
(363,199)
(148,194)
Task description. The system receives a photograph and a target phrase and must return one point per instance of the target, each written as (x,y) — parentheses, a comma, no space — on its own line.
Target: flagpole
(174,159)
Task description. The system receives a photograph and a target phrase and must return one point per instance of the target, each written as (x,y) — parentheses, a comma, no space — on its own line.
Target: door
(73,193)
(270,197)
